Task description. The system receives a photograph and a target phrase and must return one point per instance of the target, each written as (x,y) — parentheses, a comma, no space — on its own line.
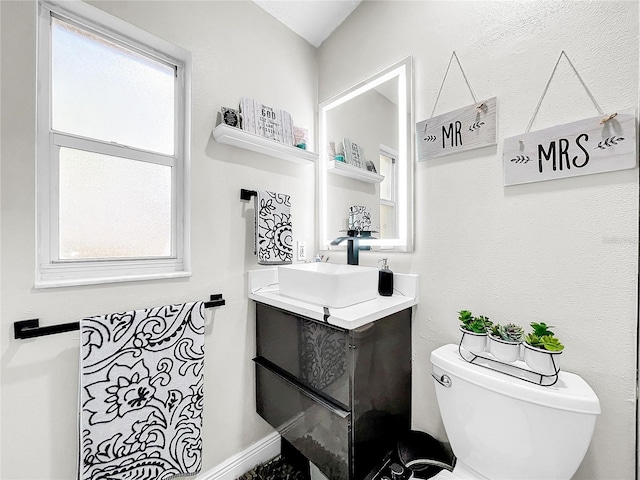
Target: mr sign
(594,145)
(463,129)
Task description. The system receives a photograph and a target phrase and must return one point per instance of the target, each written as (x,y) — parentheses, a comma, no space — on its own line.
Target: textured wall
(238,50)
(565,251)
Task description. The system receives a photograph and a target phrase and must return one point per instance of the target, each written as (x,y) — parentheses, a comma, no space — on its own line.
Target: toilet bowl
(500,427)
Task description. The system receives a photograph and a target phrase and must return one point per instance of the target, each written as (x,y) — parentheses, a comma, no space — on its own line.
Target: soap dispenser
(385,280)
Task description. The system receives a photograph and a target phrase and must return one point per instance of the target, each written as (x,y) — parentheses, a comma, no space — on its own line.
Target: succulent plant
(542,329)
(465,316)
(509,333)
(474,324)
(546,342)
(551,343)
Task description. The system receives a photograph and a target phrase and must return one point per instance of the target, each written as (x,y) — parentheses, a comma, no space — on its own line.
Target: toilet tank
(507,429)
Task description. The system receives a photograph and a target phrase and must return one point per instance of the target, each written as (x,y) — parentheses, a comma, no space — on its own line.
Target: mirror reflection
(365,185)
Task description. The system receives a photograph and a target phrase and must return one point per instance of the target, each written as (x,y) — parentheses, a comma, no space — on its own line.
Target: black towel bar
(247,194)
(31,328)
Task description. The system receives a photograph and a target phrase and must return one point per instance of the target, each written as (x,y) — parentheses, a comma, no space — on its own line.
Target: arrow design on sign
(521,159)
(428,138)
(475,126)
(609,142)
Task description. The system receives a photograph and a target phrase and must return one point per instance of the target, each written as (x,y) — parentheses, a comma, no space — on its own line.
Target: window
(112,161)
(388,202)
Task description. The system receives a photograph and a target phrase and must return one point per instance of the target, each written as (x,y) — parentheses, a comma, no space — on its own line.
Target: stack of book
(266,121)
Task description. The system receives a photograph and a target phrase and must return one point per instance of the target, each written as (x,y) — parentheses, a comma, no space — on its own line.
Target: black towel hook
(247,194)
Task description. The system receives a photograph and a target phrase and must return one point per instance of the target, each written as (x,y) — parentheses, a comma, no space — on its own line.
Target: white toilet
(503,428)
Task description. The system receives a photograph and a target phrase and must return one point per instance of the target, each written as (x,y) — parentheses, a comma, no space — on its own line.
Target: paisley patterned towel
(273,241)
(359,218)
(141,393)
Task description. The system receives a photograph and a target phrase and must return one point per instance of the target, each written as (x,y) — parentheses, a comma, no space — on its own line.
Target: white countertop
(263,288)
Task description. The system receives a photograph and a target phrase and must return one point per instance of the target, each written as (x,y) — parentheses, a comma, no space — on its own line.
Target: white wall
(565,251)
(238,50)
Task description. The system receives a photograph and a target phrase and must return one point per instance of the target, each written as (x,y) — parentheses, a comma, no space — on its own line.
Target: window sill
(73,282)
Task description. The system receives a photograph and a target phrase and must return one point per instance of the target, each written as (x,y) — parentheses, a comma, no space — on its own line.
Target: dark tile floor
(292,465)
(275,469)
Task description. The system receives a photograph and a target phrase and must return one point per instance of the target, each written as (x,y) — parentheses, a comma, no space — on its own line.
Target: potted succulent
(474,331)
(542,350)
(505,340)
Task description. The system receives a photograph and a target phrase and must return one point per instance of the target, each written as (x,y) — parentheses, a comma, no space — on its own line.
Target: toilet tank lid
(570,392)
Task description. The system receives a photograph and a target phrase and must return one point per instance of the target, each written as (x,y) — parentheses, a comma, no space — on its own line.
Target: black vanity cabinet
(341,397)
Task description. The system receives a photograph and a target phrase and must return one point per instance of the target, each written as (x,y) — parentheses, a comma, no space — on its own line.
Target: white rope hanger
(584,85)
(454,55)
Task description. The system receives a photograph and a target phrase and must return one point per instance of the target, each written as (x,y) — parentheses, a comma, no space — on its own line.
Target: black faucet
(353,245)
(353,251)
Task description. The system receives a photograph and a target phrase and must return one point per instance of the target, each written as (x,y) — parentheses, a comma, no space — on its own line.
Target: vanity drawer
(320,430)
(315,353)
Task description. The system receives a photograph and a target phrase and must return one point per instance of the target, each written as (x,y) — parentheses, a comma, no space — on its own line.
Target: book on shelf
(268,122)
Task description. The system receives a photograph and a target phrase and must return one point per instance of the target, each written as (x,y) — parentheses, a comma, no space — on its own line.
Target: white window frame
(393,155)
(393,202)
(50,270)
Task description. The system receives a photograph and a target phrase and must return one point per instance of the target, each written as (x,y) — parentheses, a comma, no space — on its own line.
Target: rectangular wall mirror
(365,169)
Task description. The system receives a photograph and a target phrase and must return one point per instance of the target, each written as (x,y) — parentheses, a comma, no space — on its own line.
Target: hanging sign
(457,131)
(594,145)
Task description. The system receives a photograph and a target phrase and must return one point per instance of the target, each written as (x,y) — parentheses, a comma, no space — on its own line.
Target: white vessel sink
(329,284)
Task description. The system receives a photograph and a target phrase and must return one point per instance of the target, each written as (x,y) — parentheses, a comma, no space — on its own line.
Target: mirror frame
(403,70)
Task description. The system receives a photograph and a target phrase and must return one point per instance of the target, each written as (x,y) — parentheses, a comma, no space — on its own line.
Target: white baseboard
(260,452)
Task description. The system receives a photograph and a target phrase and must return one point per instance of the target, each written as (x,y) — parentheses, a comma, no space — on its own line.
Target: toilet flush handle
(444,380)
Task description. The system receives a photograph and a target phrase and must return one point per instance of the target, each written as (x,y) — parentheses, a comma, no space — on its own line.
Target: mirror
(365,168)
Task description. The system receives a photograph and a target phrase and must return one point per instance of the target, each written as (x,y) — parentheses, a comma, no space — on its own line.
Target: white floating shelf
(250,141)
(346,170)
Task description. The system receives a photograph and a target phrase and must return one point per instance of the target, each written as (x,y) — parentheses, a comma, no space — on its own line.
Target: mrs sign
(594,145)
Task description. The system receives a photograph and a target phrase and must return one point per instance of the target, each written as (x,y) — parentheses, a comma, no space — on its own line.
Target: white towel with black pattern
(141,393)
(273,240)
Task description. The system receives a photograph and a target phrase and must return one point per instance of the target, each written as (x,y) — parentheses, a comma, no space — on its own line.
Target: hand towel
(141,393)
(273,241)
(359,218)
